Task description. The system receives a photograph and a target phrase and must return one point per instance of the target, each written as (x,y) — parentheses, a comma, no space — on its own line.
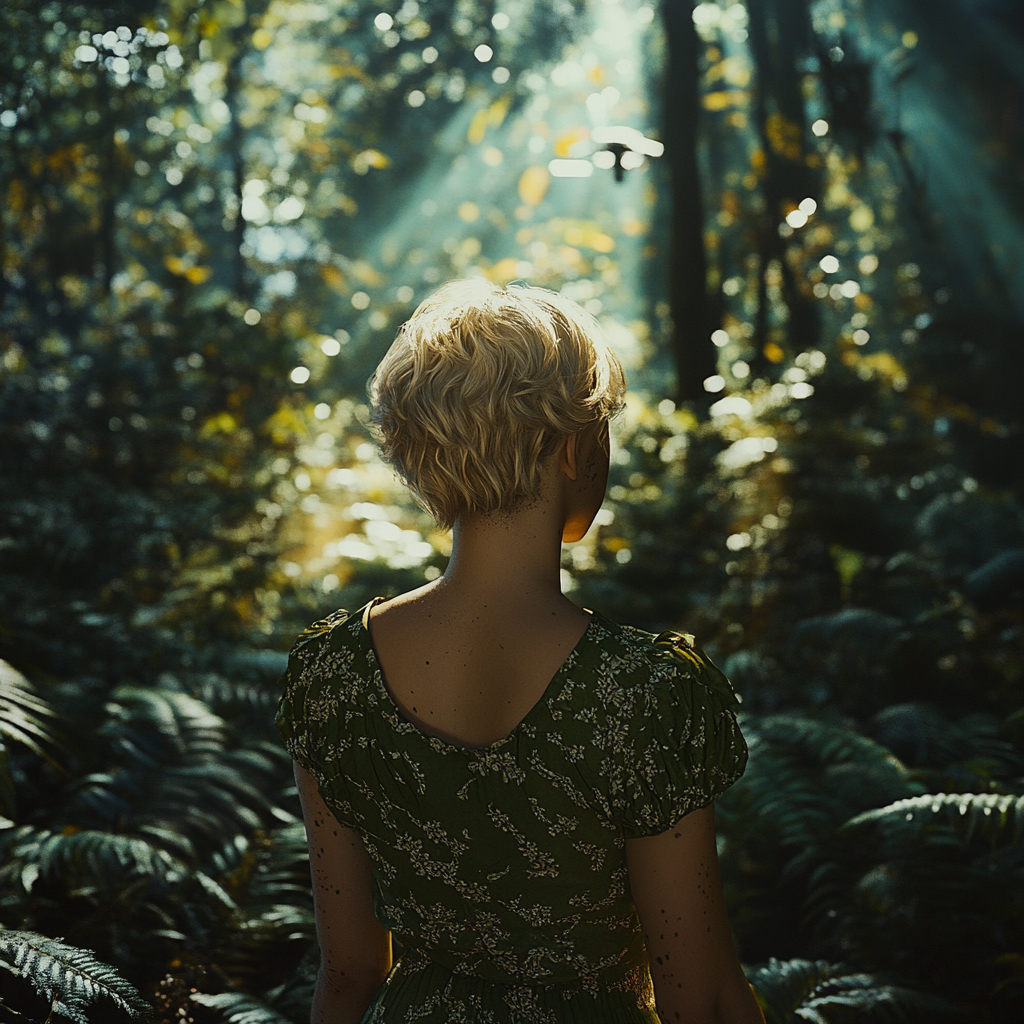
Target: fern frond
(23,712)
(974,745)
(102,858)
(805,777)
(67,977)
(182,726)
(829,744)
(189,808)
(105,856)
(782,985)
(822,993)
(992,816)
(240,1008)
(861,997)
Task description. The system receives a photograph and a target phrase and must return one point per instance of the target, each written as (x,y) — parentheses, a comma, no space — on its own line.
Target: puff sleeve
(686,747)
(306,705)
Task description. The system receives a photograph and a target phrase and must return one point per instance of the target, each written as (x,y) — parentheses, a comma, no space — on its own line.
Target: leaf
(99,857)
(240,1008)
(22,712)
(533,185)
(816,991)
(989,815)
(68,977)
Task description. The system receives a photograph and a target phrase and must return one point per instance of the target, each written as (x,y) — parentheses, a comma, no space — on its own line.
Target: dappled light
(798,223)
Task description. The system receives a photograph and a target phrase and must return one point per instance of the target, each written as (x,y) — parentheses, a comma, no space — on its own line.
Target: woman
(516,790)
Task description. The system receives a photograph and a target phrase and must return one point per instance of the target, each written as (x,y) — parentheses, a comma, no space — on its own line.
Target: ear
(568,452)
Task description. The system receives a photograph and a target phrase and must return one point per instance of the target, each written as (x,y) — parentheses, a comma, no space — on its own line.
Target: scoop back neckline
(436,741)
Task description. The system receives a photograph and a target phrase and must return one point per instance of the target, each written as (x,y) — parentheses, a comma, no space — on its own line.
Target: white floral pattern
(501,870)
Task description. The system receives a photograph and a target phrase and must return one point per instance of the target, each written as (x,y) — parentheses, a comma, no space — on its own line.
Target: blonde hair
(480,385)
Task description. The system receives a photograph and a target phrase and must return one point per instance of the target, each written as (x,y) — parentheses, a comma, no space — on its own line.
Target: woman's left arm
(678,895)
(355,949)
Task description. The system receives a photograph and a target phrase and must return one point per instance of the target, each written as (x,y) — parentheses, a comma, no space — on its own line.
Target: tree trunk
(780,33)
(693,353)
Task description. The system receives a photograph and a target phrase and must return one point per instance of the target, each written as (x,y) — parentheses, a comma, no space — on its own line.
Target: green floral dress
(501,870)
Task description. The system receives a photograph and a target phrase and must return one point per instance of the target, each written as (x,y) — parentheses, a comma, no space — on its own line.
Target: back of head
(480,385)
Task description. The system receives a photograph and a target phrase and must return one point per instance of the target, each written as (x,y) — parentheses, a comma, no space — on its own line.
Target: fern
(181,724)
(271,887)
(240,1008)
(807,777)
(23,715)
(105,858)
(972,749)
(822,993)
(202,804)
(69,978)
(989,815)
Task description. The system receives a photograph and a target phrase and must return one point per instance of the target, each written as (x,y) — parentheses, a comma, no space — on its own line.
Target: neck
(508,556)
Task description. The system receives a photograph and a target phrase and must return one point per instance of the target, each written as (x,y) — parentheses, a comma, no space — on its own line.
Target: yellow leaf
(222,423)
(229,13)
(784,136)
(285,425)
(366,273)
(478,126)
(333,277)
(733,70)
(725,98)
(345,69)
(176,265)
(885,364)
(568,139)
(533,185)
(488,117)
(262,38)
(197,275)
(504,270)
(862,218)
(773,353)
(368,158)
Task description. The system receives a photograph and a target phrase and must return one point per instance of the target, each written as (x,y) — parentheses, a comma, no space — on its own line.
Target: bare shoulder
(435,612)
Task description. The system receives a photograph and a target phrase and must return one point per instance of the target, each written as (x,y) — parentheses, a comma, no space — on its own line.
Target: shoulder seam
(321,628)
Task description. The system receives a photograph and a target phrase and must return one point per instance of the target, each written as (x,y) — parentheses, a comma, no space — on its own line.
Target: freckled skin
(355,951)
(696,972)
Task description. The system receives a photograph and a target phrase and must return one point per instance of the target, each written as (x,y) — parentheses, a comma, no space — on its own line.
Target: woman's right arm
(355,949)
(678,895)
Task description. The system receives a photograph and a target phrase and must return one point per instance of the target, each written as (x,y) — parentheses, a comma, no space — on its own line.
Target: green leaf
(818,992)
(240,1008)
(67,977)
(998,818)
(22,713)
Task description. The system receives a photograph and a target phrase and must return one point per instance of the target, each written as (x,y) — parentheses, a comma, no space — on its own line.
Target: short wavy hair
(480,385)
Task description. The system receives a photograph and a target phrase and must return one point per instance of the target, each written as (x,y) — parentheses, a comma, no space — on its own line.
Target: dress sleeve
(303,708)
(687,748)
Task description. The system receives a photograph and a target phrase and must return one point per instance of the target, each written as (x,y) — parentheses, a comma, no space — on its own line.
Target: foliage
(823,993)
(70,979)
(216,214)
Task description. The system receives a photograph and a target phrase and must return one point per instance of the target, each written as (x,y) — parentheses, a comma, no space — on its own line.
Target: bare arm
(355,949)
(678,894)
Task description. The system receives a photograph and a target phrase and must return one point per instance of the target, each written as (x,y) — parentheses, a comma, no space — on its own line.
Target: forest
(801,224)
